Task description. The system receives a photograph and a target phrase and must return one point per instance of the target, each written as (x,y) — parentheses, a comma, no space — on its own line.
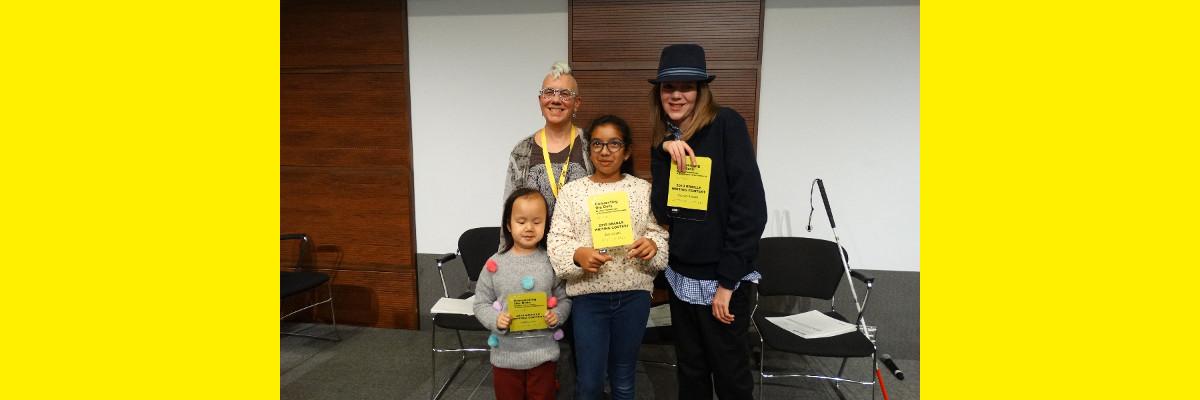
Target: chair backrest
(305,257)
(475,246)
(797,266)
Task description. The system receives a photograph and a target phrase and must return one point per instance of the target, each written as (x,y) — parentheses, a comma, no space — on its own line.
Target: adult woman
(609,288)
(713,245)
(556,153)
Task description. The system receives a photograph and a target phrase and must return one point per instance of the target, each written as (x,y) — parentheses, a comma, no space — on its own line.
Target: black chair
(812,268)
(475,246)
(302,281)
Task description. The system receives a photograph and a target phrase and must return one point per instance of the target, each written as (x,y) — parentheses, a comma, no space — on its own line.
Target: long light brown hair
(705,111)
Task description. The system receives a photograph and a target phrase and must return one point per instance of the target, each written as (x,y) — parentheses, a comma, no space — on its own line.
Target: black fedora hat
(682,63)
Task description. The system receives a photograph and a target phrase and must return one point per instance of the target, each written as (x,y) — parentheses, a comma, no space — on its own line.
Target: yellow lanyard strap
(554,183)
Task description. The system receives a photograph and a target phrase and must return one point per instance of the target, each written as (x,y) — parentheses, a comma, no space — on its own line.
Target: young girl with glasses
(610,287)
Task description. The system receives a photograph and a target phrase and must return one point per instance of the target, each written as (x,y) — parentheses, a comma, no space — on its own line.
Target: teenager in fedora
(712,245)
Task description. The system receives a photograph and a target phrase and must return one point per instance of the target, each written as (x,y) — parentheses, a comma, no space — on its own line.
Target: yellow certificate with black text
(690,188)
(528,311)
(611,222)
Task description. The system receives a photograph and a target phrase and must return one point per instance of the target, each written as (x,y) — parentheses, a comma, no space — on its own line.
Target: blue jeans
(608,331)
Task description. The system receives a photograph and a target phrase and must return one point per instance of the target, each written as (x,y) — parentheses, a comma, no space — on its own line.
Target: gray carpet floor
(373,363)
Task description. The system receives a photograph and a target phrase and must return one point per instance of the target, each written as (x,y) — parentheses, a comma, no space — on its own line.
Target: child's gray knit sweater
(514,352)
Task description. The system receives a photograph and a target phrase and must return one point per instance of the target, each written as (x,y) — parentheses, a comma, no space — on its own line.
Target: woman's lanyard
(554,183)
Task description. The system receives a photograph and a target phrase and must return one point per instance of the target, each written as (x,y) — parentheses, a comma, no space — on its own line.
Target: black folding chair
(475,246)
(812,268)
(302,281)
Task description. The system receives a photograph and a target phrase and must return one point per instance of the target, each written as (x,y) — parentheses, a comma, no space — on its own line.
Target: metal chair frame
(337,337)
(859,320)
(462,349)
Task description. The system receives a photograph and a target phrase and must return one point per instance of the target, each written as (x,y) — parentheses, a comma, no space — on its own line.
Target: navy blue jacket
(721,244)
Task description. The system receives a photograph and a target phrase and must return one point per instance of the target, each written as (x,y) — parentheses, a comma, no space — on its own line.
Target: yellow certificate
(611,222)
(528,311)
(690,188)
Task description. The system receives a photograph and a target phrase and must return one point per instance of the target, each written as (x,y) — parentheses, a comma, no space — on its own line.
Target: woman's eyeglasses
(550,93)
(613,146)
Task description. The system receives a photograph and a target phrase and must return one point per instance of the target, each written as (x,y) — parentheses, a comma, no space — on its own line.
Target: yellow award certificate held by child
(689,189)
(528,311)
(611,222)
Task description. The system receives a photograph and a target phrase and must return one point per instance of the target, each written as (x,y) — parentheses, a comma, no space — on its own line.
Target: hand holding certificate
(689,189)
(611,223)
(528,311)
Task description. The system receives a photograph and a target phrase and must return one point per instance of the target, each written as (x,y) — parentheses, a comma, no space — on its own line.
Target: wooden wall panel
(344,119)
(634,30)
(342,33)
(346,154)
(615,47)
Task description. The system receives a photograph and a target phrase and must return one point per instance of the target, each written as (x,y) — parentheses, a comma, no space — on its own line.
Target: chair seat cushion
(852,344)
(291,283)
(459,321)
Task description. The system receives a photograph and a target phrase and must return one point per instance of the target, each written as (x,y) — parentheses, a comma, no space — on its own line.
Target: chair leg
(875,378)
(332,316)
(838,385)
(462,360)
(761,378)
(337,337)
(432,361)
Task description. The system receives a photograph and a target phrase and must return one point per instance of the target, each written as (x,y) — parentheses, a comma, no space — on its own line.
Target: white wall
(839,100)
(475,67)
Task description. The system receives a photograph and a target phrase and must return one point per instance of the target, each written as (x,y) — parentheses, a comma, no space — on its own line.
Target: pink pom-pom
(551,302)
(558,334)
(491,265)
(496,305)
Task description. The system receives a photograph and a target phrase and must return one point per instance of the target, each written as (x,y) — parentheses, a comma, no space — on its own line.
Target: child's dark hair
(508,206)
(626,136)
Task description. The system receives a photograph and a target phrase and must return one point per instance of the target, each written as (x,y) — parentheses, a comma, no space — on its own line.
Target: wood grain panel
(346,153)
(366,212)
(346,119)
(604,30)
(345,32)
(615,45)
(372,298)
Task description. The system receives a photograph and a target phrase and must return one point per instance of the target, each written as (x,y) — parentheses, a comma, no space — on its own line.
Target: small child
(523,363)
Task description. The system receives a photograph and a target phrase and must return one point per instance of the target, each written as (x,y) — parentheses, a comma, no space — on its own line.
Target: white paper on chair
(812,325)
(447,305)
(659,316)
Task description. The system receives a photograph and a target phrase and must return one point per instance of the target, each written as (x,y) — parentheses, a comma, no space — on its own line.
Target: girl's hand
(502,320)
(551,318)
(678,150)
(643,248)
(590,260)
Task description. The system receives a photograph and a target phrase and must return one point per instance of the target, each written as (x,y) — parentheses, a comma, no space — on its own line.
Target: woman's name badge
(689,189)
(611,223)
(528,311)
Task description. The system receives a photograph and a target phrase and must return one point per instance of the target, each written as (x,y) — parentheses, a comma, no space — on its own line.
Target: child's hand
(551,318)
(643,248)
(590,260)
(502,320)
